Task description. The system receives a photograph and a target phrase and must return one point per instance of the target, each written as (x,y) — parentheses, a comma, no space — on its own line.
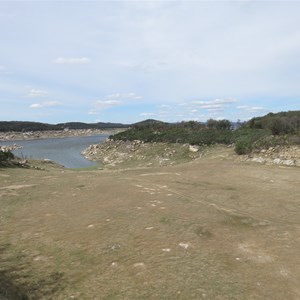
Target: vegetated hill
(99,125)
(149,123)
(279,123)
(6,126)
(263,132)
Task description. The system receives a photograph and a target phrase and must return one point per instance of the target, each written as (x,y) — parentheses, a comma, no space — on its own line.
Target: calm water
(65,151)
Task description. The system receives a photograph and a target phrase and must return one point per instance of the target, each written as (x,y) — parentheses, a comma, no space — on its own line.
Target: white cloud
(45,104)
(131,95)
(105,104)
(36,105)
(145,114)
(251,109)
(216,105)
(36,93)
(71,60)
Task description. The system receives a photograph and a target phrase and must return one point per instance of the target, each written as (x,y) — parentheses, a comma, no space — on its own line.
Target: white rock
(277,161)
(193,148)
(258,160)
(288,162)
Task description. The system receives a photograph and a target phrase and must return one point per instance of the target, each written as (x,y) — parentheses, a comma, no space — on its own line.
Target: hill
(6,126)
(279,123)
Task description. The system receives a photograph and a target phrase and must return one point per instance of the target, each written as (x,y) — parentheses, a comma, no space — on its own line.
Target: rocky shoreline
(33,135)
(140,154)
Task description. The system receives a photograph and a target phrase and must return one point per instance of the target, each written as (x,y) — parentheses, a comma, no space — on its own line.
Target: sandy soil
(213,228)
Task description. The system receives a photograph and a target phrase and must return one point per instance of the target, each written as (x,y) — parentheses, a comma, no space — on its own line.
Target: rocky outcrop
(278,155)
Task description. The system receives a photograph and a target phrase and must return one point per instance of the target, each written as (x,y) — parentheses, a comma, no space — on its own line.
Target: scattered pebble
(115,247)
(149,228)
(169,195)
(90,226)
(153,205)
(162,207)
(184,245)
(107,220)
(237,258)
(138,207)
(139,264)
(166,249)
(114,264)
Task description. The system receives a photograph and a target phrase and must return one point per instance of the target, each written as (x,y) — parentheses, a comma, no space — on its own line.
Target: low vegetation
(273,129)
(5,156)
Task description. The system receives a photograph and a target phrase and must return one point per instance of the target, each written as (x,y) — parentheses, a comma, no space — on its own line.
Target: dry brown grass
(211,229)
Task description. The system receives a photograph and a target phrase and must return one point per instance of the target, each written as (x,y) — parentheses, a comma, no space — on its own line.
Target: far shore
(34,135)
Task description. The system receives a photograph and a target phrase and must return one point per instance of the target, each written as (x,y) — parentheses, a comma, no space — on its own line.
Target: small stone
(139,264)
(184,245)
(166,250)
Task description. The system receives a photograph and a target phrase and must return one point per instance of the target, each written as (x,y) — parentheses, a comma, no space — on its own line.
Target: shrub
(4,156)
(243,146)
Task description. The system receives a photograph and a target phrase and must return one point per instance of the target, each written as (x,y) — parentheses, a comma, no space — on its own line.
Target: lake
(65,151)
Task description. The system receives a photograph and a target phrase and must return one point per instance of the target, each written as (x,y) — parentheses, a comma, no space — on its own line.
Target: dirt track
(212,229)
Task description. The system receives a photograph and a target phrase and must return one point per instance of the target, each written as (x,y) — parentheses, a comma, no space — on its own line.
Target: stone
(193,148)
(258,160)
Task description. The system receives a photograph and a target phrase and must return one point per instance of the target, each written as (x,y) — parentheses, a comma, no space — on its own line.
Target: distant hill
(6,126)
(99,125)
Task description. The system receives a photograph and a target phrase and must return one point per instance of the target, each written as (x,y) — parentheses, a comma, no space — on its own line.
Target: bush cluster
(280,123)
(257,133)
(4,156)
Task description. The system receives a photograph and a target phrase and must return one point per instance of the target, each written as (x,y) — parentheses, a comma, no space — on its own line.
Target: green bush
(243,146)
(4,156)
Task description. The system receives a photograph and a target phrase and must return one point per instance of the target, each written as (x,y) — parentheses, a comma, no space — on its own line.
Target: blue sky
(125,61)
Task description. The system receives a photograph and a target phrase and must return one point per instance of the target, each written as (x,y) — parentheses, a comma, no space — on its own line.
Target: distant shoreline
(47,134)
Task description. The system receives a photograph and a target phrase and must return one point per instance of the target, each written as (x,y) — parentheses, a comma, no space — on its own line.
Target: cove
(64,151)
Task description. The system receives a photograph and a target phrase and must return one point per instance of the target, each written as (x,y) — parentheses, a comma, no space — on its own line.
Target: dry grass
(211,229)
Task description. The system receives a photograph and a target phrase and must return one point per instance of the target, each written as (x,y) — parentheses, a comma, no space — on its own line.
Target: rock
(258,160)
(286,162)
(47,160)
(277,161)
(289,162)
(193,148)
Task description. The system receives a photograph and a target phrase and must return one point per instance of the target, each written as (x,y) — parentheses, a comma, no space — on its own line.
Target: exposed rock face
(279,155)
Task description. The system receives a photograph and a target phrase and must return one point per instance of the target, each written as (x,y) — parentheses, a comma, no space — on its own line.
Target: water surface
(65,151)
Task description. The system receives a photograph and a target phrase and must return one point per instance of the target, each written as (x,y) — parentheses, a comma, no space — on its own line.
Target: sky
(126,61)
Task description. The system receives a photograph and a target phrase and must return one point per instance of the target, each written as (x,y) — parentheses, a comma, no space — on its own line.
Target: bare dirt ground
(213,228)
